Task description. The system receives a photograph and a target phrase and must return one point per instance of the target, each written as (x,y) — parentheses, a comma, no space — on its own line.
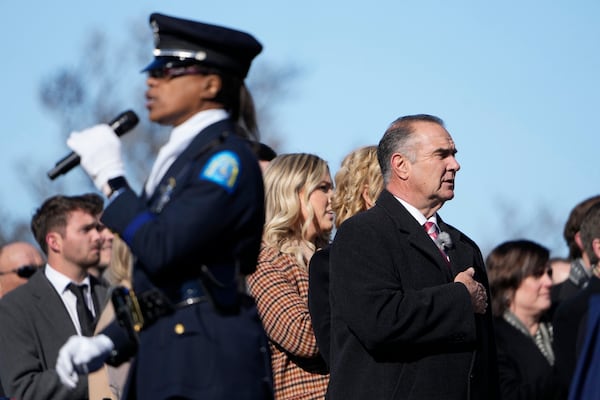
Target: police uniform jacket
(207,213)
(400,328)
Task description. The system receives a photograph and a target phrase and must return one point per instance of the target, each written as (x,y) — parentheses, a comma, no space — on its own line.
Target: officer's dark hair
(263,151)
(396,140)
(53,213)
(237,100)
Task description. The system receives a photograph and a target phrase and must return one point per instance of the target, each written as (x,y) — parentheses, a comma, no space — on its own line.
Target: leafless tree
(543,226)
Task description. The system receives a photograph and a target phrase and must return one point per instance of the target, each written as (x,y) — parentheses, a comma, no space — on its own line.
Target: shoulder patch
(223,169)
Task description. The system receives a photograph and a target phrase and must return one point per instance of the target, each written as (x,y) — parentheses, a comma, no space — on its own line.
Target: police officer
(195,231)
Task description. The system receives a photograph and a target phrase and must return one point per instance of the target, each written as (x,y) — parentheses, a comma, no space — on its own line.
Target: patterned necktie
(86,319)
(432,230)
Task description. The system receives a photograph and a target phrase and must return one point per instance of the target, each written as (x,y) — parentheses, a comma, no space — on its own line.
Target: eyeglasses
(175,72)
(25,271)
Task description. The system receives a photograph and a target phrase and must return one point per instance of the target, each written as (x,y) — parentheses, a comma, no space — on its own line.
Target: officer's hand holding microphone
(100,151)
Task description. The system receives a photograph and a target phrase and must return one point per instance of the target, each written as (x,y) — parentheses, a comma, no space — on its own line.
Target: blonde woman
(108,382)
(358,183)
(299,220)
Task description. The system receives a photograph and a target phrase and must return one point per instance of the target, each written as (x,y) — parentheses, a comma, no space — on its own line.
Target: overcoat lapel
(414,233)
(459,253)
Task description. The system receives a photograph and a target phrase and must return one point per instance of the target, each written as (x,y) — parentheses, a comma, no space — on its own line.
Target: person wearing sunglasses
(18,261)
(195,231)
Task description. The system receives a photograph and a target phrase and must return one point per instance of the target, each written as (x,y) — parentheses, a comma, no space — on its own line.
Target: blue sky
(516,83)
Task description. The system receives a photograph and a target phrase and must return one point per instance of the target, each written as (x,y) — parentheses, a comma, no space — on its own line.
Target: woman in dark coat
(519,274)
(358,183)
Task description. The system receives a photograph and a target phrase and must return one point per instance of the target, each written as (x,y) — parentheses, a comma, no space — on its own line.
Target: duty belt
(188,293)
(138,311)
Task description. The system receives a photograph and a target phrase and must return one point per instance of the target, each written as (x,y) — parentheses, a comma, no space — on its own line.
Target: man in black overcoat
(410,313)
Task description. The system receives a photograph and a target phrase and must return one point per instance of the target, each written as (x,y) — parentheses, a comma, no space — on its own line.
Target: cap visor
(157,63)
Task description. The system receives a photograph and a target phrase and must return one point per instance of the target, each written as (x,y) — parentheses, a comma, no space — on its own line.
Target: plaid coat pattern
(280,287)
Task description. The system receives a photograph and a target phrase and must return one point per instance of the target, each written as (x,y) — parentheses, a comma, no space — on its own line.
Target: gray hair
(397,139)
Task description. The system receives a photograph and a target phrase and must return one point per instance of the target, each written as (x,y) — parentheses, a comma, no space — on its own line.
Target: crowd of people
(224,278)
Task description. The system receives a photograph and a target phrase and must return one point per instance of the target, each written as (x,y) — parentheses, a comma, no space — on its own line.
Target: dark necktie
(86,319)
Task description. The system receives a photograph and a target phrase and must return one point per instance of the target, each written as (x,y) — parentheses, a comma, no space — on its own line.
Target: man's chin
(93,264)
(103,263)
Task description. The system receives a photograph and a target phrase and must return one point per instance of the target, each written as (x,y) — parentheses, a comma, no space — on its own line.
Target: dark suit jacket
(568,322)
(34,324)
(585,383)
(212,215)
(400,327)
(318,300)
(560,293)
(524,372)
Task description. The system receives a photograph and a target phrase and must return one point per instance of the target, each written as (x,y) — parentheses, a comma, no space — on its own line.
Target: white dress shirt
(419,216)
(60,282)
(180,138)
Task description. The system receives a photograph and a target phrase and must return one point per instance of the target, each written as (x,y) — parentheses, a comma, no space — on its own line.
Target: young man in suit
(39,316)
(580,271)
(571,317)
(410,317)
(18,262)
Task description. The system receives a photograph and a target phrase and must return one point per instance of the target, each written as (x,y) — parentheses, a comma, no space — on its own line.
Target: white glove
(100,151)
(81,355)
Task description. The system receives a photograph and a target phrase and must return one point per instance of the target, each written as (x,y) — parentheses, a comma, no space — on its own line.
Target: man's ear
(54,242)
(400,166)
(366,198)
(596,247)
(578,240)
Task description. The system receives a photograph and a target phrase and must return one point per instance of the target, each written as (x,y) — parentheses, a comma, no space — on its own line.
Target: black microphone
(125,122)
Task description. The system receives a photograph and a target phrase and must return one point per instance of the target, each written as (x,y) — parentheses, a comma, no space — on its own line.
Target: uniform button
(179,329)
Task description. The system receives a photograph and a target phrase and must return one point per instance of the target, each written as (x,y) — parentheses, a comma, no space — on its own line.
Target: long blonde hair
(287,177)
(120,269)
(359,170)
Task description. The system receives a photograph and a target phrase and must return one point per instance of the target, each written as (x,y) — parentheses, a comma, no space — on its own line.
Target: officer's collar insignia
(165,191)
